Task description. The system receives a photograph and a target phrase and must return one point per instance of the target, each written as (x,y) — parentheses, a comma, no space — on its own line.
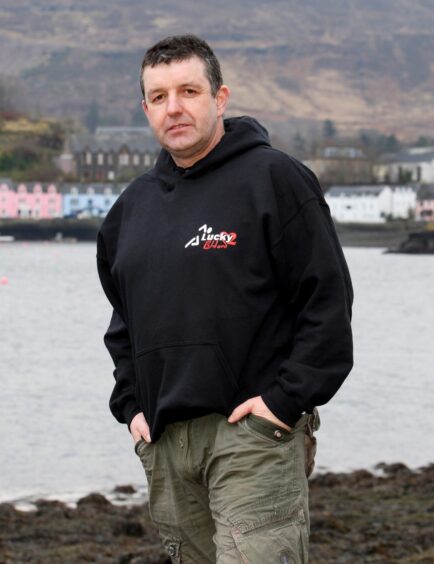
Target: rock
(394,469)
(7,512)
(95,499)
(129,527)
(127,489)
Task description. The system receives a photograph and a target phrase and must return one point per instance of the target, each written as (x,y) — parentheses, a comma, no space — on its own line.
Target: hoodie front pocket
(184,376)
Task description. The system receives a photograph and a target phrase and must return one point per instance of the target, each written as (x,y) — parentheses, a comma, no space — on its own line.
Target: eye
(157,98)
(190,91)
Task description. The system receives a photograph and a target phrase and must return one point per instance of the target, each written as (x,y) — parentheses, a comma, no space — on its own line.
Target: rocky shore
(356,517)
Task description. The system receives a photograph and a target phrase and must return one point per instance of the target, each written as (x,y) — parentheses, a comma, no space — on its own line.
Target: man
(231,319)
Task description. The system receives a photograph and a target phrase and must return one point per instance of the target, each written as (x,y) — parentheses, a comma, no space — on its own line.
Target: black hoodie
(227,281)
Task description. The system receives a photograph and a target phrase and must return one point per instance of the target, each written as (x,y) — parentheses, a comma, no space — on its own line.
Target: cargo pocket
(178,375)
(279,536)
(172,546)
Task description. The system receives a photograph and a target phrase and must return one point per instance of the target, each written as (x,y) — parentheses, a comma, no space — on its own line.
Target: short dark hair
(182,48)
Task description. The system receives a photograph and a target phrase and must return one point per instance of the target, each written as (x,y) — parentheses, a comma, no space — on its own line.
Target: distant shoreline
(76,230)
(358,515)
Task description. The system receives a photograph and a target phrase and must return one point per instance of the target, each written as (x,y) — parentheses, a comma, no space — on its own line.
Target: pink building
(30,201)
(425,203)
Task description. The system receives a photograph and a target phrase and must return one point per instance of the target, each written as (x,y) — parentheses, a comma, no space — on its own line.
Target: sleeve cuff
(130,411)
(282,405)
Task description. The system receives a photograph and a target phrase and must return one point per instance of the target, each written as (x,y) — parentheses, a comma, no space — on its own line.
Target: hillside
(360,63)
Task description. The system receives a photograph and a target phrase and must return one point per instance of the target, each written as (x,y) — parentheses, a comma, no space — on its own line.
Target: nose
(173,105)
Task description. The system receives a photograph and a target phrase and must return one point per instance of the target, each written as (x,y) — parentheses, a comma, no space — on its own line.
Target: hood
(241,134)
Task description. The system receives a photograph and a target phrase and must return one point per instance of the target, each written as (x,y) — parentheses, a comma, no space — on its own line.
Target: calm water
(57,435)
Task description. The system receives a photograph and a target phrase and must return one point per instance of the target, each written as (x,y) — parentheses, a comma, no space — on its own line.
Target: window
(108,190)
(107,201)
(124,159)
(74,190)
(51,200)
(110,159)
(147,159)
(74,201)
(88,158)
(136,160)
(100,159)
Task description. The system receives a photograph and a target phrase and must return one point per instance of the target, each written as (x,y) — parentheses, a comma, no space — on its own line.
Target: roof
(426,192)
(112,139)
(407,157)
(65,188)
(343,153)
(368,190)
(355,190)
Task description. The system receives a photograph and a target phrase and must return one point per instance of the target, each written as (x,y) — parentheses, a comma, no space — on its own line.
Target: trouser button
(277,434)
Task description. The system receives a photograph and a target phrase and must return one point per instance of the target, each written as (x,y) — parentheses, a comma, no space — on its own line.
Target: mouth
(179,127)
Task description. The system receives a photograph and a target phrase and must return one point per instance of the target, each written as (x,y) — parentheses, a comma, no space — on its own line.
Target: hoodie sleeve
(316,287)
(123,403)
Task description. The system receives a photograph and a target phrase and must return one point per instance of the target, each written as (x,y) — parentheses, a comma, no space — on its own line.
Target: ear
(222,98)
(145,107)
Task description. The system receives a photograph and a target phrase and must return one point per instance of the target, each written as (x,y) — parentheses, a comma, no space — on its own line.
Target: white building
(371,204)
(413,165)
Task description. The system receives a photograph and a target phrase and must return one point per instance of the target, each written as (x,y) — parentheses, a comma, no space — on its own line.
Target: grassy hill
(360,63)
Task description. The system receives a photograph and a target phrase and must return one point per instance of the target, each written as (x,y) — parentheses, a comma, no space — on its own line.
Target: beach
(355,517)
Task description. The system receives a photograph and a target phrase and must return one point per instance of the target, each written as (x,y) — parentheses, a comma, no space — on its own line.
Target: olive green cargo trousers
(229,493)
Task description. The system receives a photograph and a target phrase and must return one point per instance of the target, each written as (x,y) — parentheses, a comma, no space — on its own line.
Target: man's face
(181,110)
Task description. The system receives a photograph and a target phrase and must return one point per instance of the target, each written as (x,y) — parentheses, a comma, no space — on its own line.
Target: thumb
(240,411)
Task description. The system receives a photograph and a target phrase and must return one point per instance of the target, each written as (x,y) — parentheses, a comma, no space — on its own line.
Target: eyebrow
(184,85)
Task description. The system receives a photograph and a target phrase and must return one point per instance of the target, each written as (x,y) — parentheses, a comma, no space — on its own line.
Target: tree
(329,130)
(391,143)
(299,143)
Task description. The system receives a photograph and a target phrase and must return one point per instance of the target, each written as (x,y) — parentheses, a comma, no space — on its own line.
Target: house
(89,200)
(425,203)
(412,165)
(111,154)
(31,200)
(371,204)
(346,165)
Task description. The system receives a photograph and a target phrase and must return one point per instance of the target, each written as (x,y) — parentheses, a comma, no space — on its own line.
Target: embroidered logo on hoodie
(207,240)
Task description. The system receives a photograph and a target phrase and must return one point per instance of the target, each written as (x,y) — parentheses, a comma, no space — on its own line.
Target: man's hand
(256,406)
(139,428)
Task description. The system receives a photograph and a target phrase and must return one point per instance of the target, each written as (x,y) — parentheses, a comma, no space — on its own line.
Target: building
(89,200)
(343,165)
(371,204)
(111,154)
(31,200)
(425,203)
(412,165)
